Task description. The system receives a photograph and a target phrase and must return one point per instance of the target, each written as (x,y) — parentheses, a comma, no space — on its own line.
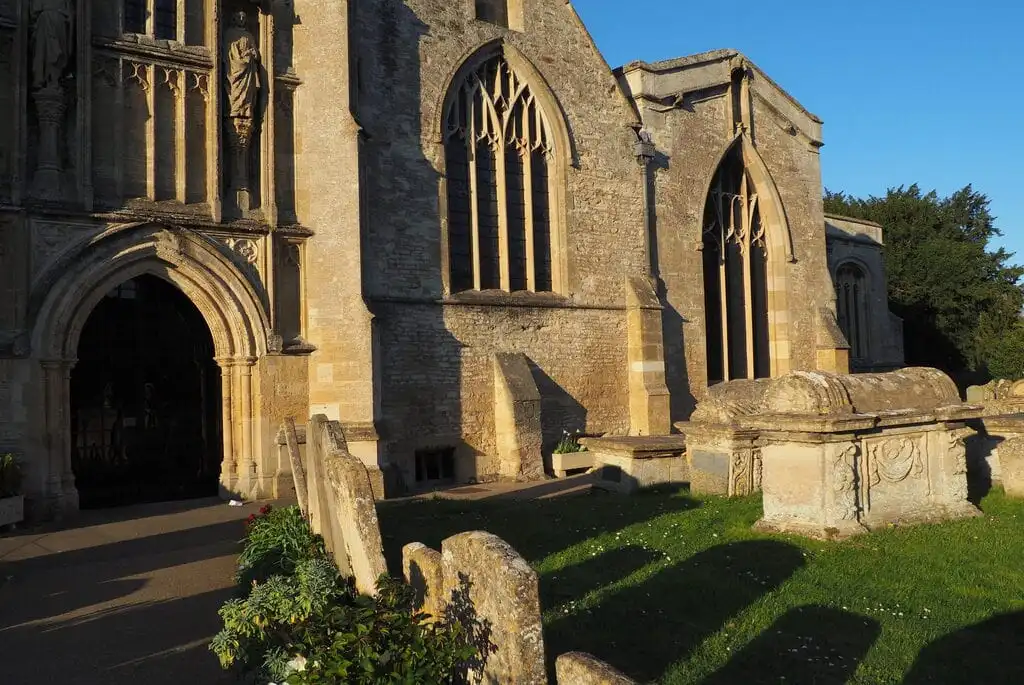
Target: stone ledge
(638,447)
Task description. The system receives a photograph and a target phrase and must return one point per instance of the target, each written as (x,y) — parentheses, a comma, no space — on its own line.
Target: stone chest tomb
(837,455)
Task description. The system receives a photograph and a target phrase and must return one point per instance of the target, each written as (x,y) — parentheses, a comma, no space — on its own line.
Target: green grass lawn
(678,590)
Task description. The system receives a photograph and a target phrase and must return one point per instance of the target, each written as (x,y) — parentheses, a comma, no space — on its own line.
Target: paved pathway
(124,596)
(130,595)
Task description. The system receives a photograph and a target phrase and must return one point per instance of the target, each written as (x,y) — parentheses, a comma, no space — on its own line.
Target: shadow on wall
(980,449)
(644,629)
(417,359)
(559,411)
(808,644)
(987,652)
(682,402)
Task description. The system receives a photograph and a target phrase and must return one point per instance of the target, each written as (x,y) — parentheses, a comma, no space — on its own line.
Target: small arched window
(851,308)
(499,156)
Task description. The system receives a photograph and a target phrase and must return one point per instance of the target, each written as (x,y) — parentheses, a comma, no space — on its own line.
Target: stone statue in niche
(52,38)
(52,24)
(242,82)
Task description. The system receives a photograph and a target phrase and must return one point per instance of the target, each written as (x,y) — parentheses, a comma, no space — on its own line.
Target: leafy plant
(299,621)
(569,443)
(276,541)
(10,476)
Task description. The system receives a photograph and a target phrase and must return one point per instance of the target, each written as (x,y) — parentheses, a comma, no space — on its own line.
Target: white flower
(297,664)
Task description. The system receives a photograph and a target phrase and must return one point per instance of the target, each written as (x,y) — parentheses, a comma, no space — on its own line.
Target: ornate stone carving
(169,246)
(242,83)
(245,248)
(894,460)
(52,32)
(958,470)
(844,482)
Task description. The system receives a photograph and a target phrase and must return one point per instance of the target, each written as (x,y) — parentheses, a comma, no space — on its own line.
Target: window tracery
(851,308)
(735,276)
(498,153)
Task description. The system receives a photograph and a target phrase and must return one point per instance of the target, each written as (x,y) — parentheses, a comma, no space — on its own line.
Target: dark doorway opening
(145,399)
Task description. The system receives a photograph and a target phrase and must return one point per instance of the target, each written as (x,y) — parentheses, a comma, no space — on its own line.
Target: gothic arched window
(735,276)
(851,308)
(499,156)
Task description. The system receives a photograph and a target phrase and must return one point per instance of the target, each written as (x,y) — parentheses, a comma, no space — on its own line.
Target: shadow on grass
(987,652)
(810,644)
(535,528)
(645,628)
(577,581)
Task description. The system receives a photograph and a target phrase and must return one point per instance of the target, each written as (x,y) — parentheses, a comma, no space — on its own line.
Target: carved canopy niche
(167,77)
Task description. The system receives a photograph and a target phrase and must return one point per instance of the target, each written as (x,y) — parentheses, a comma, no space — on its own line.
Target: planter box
(12,510)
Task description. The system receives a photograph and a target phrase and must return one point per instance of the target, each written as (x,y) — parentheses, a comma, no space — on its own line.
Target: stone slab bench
(626,464)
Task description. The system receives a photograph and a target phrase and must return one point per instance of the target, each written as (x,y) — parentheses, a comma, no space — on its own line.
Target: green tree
(960,300)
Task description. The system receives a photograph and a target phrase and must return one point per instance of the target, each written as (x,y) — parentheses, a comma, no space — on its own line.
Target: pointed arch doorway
(145,399)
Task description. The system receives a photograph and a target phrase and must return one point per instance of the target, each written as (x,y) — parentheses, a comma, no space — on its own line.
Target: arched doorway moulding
(780,248)
(70,289)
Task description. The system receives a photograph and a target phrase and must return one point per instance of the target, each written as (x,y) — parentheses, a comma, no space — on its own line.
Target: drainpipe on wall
(645,151)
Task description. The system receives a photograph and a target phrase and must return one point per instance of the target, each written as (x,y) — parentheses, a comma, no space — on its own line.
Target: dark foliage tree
(960,300)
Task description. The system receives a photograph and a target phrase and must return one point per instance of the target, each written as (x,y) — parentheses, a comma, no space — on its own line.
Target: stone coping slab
(1003,423)
(638,447)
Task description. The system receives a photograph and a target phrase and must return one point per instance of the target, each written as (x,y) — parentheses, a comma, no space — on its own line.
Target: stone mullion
(723,303)
(474,193)
(151,146)
(213,115)
(268,166)
(150,19)
(180,19)
(504,251)
(119,124)
(181,133)
(747,247)
(531,264)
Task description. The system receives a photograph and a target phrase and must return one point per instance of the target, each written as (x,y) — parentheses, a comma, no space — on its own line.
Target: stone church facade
(216,214)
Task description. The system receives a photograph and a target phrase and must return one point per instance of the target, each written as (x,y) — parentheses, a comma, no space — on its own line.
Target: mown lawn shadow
(808,644)
(535,528)
(644,629)
(988,652)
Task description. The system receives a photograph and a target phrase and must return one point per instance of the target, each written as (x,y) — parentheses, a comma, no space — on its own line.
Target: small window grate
(435,465)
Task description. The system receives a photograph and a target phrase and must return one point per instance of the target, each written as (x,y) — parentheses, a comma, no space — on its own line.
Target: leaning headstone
(580,668)
(298,470)
(341,505)
(421,567)
(483,574)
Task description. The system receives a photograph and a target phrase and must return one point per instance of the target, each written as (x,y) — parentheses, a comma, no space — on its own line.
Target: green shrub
(300,622)
(276,541)
(10,476)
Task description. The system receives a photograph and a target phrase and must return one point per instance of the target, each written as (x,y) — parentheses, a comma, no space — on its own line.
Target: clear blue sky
(910,91)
